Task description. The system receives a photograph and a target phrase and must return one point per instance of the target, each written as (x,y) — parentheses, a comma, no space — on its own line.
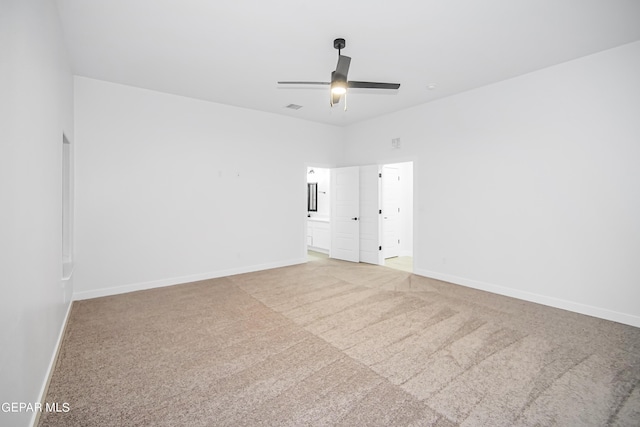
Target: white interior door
(345,213)
(391,211)
(370,215)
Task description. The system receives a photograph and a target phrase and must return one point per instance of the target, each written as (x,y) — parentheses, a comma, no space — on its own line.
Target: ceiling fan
(339,83)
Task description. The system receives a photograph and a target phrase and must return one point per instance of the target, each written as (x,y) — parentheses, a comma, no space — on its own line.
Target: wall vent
(293,106)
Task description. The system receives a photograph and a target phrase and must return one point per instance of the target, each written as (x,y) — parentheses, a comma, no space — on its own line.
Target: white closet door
(345,214)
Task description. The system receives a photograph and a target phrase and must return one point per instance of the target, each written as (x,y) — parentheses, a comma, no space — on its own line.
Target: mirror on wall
(312,197)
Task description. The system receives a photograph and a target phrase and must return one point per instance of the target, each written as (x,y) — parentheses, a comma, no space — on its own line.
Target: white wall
(35,109)
(172,189)
(528,187)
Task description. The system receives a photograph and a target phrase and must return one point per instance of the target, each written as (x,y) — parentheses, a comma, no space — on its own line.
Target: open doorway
(318,212)
(377,227)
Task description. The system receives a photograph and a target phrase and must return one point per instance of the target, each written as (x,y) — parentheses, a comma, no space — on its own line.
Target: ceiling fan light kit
(339,87)
(339,83)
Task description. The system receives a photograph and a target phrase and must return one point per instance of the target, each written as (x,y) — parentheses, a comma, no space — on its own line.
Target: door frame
(303,194)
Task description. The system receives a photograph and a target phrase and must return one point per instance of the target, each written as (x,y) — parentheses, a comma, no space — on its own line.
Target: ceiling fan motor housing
(339,44)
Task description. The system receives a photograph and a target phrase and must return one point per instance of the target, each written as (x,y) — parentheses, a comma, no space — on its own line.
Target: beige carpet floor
(334,343)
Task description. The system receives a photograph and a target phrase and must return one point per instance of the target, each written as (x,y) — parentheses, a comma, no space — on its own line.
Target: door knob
(355,218)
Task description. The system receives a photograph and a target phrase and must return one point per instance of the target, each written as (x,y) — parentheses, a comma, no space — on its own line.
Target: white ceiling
(234,51)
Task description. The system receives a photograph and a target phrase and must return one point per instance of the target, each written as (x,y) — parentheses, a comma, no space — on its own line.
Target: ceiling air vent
(293,106)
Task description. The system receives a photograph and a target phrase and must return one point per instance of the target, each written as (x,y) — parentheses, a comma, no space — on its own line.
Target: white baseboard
(602,313)
(103,292)
(52,363)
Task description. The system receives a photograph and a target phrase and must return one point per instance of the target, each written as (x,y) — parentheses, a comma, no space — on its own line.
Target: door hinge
(380,175)
(380,211)
(379,248)
(398,210)
(398,178)
(398,241)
